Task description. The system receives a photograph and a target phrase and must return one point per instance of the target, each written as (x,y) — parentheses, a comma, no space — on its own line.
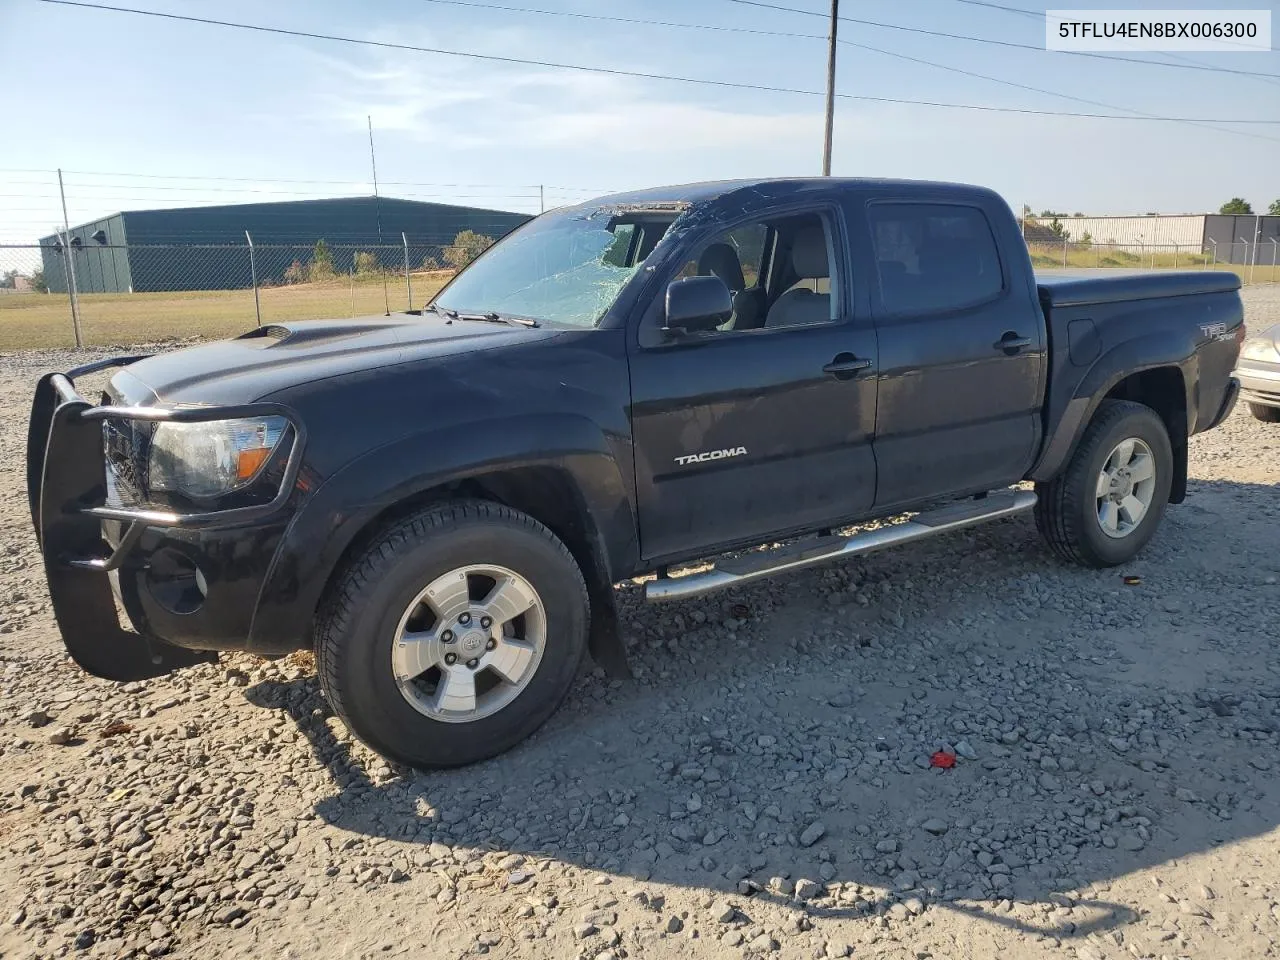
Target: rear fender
(1149,352)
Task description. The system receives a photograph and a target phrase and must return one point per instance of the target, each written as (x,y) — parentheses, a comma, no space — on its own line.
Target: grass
(35,320)
(1049,256)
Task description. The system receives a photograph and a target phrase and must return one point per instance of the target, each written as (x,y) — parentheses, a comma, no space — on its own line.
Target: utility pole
(542,199)
(373,162)
(831,88)
(69,252)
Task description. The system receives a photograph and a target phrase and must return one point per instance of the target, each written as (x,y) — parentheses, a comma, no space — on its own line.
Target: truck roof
(777,188)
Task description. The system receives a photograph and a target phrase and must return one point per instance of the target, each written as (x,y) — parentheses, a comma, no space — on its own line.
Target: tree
(38,282)
(1236,205)
(366,262)
(1274,209)
(466,246)
(8,279)
(322,262)
(1086,239)
(1056,226)
(295,273)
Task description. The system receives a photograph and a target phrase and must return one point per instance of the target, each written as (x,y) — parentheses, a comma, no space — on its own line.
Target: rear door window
(933,257)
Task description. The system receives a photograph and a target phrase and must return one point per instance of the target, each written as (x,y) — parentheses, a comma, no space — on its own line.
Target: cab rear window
(933,257)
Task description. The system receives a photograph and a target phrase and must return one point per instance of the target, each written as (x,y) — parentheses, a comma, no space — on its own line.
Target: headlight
(1259,350)
(214,457)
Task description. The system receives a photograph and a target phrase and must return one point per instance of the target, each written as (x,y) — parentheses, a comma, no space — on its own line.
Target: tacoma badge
(712,455)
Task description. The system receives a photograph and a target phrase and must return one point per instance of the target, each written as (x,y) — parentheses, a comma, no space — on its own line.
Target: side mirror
(697,304)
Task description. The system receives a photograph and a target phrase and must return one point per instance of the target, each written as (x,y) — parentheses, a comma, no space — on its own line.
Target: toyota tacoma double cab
(439,503)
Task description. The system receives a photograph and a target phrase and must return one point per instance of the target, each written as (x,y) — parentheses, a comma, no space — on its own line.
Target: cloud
(434,99)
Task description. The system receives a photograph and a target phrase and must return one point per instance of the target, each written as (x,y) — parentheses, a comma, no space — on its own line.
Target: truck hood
(1262,347)
(282,355)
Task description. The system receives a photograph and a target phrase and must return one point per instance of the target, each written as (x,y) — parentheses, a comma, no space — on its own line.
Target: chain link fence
(123,294)
(106,294)
(1254,262)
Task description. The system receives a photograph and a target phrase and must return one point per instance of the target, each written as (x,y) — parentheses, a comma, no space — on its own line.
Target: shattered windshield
(565,268)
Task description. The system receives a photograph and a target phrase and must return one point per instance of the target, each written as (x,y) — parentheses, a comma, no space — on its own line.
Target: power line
(506,8)
(314,195)
(1138,114)
(613,71)
(991,40)
(1041,15)
(1000,6)
(631,20)
(401,183)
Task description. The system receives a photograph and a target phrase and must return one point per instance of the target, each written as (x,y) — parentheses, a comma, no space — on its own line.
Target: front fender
(346,503)
(1076,400)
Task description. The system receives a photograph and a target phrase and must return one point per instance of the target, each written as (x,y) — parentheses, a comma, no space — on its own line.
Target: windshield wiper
(490,317)
(493,318)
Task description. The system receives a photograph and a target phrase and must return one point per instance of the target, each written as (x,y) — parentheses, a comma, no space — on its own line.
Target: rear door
(961,355)
(765,427)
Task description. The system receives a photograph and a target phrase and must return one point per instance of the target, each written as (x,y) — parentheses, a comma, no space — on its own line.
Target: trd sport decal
(712,455)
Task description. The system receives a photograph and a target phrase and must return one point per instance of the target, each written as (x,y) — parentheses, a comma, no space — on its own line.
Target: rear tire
(1110,497)
(1265,414)
(418,648)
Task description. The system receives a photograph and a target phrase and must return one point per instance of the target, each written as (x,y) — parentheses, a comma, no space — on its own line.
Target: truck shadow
(1103,728)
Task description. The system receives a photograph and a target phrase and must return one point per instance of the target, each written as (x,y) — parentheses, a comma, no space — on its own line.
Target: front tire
(1109,499)
(454,635)
(1265,414)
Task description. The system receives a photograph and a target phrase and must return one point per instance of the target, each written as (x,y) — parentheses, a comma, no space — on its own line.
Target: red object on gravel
(943,759)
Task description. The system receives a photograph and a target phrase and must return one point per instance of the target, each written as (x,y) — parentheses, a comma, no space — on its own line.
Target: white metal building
(1137,233)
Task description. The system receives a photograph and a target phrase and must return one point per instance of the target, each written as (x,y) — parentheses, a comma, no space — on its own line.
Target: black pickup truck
(440,503)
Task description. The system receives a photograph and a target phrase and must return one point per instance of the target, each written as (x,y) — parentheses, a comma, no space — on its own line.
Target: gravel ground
(762,788)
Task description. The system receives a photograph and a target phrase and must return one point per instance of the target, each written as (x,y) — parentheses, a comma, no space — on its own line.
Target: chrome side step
(808,553)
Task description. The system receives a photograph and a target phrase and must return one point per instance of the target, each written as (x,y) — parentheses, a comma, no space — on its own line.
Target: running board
(808,553)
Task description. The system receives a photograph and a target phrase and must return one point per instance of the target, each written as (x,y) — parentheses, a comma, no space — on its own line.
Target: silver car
(1258,371)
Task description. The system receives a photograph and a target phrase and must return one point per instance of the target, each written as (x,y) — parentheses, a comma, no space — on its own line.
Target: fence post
(253,274)
(1215,253)
(408,284)
(69,251)
(1064,251)
(72,293)
(1175,256)
(1275,245)
(1257,236)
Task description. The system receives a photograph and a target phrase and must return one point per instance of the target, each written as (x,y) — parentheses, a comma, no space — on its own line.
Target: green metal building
(205,248)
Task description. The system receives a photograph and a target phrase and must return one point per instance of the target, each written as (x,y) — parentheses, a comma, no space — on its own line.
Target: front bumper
(1259,382)
(96,552)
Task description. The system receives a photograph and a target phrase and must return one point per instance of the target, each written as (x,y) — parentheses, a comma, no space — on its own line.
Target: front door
(961,356)
(763,426)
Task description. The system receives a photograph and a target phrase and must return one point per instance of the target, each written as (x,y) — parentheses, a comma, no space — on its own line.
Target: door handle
(845,366)
(1011,343)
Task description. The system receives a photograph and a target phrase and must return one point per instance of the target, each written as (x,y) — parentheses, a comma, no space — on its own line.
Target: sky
(142,112)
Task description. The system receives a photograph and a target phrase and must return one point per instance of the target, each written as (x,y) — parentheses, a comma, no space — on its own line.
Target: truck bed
(1067,287)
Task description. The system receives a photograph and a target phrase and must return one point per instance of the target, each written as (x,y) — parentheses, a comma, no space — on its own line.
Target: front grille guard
(56,395)
(67,495)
